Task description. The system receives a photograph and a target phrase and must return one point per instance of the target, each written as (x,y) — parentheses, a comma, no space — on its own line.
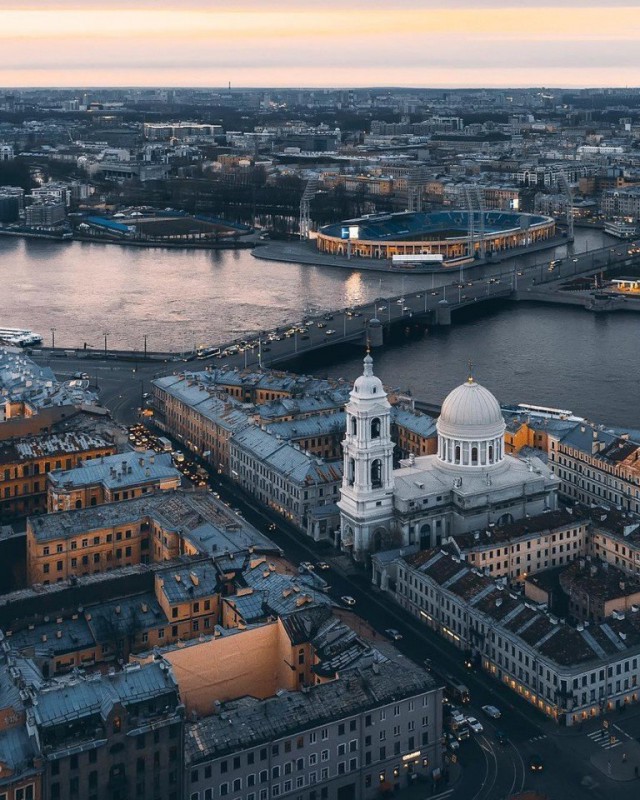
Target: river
(544,355)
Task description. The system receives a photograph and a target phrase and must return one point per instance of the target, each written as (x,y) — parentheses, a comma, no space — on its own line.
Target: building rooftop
(530,527)
(248,722)
(427,477)
(317,425)
(65,701)
(598,581)
(198,516)
(414,421)
(291,462)
(117,471)
(186,584)
(50,445)
(550,636)
(24,381)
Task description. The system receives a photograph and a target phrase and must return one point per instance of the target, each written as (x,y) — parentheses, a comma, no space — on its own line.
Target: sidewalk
(589,725)
(427,789)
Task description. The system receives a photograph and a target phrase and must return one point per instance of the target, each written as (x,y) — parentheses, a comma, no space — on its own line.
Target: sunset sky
(319,43)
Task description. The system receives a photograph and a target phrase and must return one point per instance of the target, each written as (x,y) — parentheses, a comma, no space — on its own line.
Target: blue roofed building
(284,477)
(112,736)
(110,479)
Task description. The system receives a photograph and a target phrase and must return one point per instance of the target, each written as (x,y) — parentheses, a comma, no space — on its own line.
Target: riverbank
(248,242)
(305,252)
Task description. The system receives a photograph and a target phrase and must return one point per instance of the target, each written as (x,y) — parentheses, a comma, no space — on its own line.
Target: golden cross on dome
(470,365)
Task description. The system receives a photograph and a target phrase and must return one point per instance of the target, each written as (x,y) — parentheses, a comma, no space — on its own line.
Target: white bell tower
(366,501)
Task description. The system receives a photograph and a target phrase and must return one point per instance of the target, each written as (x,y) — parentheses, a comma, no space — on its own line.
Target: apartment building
(199,415)
(285,478)
(148,529)
(110,479)
(25,464)
(597,466)
(570,673)
(112,737)
(528,546)
(348,732)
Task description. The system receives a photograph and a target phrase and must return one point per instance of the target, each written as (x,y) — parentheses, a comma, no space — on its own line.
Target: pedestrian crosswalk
(607,739)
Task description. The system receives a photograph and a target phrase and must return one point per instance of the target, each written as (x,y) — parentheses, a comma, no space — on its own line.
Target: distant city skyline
(254,43)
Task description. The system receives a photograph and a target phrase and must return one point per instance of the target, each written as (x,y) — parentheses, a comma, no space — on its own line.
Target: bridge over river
(431,306)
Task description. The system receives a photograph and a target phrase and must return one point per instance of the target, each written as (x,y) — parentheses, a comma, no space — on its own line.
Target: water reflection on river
(558,356)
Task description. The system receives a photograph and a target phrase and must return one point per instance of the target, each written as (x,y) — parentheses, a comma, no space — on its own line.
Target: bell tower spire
(366,502)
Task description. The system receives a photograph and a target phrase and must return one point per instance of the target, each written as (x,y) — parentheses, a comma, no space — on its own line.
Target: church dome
(471,428)
(470,408)
(367,386)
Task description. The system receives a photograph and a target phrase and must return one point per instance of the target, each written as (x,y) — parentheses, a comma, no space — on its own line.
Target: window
(376,474)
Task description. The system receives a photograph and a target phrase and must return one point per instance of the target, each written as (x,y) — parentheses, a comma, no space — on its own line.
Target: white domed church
(469,485)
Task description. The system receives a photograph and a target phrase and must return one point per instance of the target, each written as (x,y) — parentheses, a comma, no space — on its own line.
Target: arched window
(375,428)
(354,426)
(378,539)
(352,471)
(474,455)
(457,458)
(491,454)
(376,474)
(78,503)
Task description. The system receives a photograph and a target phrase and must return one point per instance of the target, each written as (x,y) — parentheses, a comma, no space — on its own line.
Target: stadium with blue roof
(445,233)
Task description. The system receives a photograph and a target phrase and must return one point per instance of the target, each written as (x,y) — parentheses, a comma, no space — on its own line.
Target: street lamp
(105,334)
(53,338)
(145,345)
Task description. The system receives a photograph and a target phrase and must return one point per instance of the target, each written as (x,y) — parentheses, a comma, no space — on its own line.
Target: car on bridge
(492,711)
(329,332)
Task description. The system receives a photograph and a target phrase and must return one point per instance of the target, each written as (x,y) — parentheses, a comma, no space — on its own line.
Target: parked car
(392,633)
(323,565)
(306,566)
(492,711)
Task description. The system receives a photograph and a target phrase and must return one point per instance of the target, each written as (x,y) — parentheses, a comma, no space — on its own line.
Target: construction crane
(310,190)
